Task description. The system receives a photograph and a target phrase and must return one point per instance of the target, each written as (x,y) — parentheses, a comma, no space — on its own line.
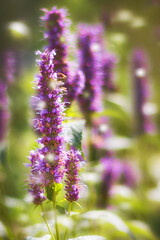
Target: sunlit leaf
(109,217)
(141,230)
(53,190)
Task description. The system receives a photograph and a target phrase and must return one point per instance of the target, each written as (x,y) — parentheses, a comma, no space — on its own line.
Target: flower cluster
(89,38)
(108,65)
(72,166)
(4,115)
(57,24)
(56,27)
(47,162)
(141,92)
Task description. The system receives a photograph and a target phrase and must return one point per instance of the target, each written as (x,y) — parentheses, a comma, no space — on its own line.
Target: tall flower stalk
(47,162)
(50,161)
(90,56)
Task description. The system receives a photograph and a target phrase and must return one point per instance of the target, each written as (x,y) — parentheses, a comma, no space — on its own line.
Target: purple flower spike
(108,66)
(72,166)
(56,27)
(4,115)
(75,86)
(47,163)
(90,42)
(141,92)
(57,33)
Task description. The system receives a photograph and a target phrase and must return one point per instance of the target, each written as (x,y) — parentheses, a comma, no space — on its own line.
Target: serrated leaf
(60,209)
(89,237)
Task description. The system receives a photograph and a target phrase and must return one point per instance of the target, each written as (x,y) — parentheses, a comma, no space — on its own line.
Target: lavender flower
(72,166)
(56,25)
(108,65)
(57,32)
(141,92)
(89,38)
(4,115)
(47,162)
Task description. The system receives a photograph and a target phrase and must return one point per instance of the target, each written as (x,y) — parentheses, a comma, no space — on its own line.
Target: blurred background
(128,25)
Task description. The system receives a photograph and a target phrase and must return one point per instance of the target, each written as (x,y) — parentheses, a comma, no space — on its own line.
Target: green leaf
(60,209)
(110,218)
(52,191)
(89,237)
(141,230)
(77,138)
(73,131)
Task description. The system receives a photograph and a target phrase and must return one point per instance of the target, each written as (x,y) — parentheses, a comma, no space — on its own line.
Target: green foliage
(52,191)
(73,131)
(60,209)
(77,138)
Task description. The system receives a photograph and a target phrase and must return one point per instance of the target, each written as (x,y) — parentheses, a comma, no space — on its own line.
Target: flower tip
(38,52)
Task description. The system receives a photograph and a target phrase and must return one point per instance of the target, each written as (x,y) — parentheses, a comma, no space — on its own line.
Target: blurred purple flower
(141,92)
(76,86)
(108,65)
(90,56)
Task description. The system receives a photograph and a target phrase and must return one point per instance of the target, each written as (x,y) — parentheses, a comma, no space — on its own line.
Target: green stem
(55,217)
(45,220)
(69,211)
